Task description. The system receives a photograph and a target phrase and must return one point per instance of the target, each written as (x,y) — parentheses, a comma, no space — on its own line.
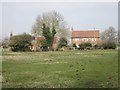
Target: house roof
(42,37)
(85,34)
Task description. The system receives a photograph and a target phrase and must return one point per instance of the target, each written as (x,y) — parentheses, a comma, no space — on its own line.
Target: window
(76,39)
(85,39)
(33,38)
(93,39)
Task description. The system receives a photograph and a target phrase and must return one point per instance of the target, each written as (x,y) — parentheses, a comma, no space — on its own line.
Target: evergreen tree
(49,36)
(52,35)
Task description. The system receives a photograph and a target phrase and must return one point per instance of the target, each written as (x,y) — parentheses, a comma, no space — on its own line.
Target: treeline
(53,24)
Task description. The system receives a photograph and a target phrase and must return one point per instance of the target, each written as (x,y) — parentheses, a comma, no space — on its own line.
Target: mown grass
(61,69)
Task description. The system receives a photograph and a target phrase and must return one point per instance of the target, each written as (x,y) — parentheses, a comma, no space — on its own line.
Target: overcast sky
(19,17)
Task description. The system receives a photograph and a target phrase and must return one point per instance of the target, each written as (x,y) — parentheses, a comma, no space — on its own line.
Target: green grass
(61,69)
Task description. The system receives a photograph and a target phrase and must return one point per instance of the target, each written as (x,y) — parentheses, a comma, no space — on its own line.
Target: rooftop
(85,34)
(42,37)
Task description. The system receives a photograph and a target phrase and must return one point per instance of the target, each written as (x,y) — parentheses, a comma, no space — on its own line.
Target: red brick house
(79,37)
(36,44)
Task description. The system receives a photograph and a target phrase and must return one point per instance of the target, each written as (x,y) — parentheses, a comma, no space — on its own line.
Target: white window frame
(85,39)
(76,39)
(93,39)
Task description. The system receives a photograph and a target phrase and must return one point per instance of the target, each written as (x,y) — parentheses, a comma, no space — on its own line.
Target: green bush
(62,42)
(96,46)
(81,47)
(88,44)
(84,45)
(5,43)
(109,45)
(74,45)
(44,45)
(21,42)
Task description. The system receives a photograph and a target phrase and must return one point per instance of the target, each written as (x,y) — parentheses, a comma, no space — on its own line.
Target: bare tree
(109,35)
(51,19)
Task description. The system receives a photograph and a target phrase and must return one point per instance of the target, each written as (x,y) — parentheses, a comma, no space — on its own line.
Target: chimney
(11,35)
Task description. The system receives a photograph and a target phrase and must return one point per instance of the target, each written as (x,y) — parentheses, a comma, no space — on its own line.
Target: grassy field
(61,69)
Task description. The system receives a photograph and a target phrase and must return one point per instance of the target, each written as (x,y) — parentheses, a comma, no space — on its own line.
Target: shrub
(82,46)
(96,46)
(74,45)
(88,44)
(109,45)
(62,42)
(21,42)
(43,44)
(5,43)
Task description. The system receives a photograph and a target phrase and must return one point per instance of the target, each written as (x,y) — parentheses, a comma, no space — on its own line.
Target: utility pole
(71,28)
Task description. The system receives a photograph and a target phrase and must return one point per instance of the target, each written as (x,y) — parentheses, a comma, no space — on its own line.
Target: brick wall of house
(54,46)
(80,41)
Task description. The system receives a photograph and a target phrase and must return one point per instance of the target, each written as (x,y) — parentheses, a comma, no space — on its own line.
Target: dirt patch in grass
(47,59)
(52,63)
(14,57)
(80,53)
(11,54)
(91,55)
(92,84)
(15,53)
(88,55)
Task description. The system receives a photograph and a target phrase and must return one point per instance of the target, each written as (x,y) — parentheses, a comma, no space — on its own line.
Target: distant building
(36,45)
(35,42)
(79,37)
